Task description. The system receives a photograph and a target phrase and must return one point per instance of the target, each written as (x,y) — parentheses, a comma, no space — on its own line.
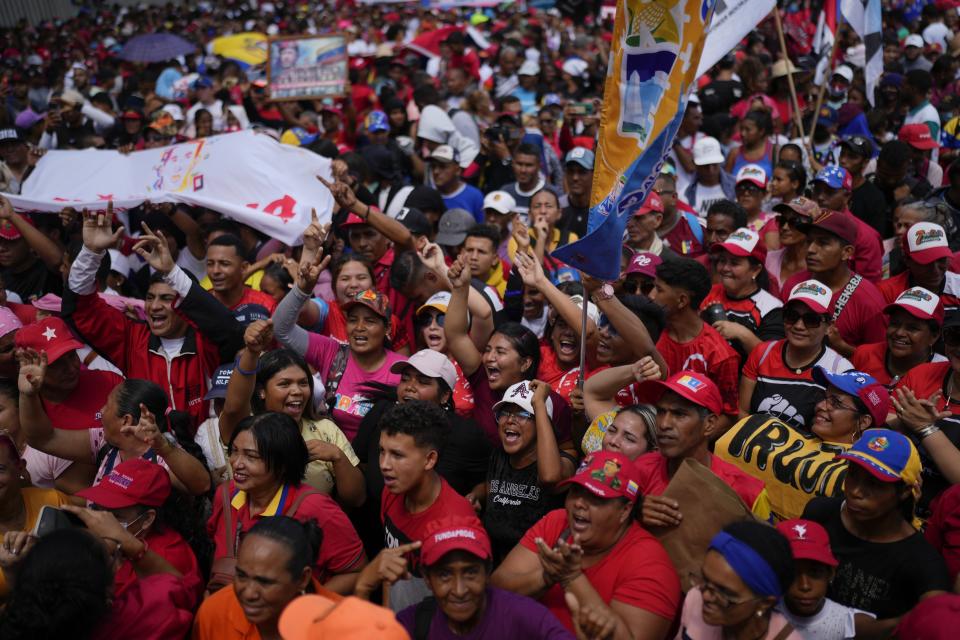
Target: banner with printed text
(656,49)
(245,175)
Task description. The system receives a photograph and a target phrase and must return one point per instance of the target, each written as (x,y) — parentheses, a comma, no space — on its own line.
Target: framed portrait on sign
(306,67)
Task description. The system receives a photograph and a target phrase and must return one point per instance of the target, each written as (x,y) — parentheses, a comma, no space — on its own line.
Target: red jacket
(131,347)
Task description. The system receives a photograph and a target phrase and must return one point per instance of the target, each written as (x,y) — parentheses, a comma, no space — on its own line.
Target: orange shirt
(221,617)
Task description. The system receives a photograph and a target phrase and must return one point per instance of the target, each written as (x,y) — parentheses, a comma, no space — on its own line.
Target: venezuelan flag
(248,48)
(653,64)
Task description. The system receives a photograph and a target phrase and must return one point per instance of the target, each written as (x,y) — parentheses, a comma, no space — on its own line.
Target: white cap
(592,311)
(430,363)
(920,303)
(753,173)
(814,294)
(844,72)
(521,395)
(926,242)
(445,153)
(707,151)
(529,68)
(439,301)
(913,40)
(500,201)
(575,67)
(174,110)
(119,263)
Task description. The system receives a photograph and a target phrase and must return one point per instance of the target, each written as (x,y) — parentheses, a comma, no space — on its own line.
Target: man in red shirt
(690,344)
(414,496)
(225,268)
(832,188)
(676,229)
(857,305)
(688,418)
(926,255)
(461,57)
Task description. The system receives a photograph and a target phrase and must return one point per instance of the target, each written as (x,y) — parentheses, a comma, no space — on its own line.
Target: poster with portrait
(306,67)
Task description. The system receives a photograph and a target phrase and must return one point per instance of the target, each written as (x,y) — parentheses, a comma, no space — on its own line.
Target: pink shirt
(353,402)
(692,626)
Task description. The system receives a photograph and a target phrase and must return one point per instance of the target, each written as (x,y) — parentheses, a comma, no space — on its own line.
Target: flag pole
(823,89)
(798,120)
(583,340)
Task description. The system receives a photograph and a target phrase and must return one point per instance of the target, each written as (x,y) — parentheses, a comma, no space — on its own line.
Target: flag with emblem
(865,18)
(656,49)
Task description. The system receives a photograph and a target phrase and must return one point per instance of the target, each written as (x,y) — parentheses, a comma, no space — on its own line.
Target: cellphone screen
(53,519)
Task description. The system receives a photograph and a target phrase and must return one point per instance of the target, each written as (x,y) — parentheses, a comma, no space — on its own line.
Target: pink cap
(8,321)
(430,363)
(814,294)
(920,303)
(744,243)
(926,242)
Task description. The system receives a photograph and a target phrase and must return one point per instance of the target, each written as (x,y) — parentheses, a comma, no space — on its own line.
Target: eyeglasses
(514,415)
(810,319)
(606,324)
(426,319)
(836,404)
(793,221)
(722,598)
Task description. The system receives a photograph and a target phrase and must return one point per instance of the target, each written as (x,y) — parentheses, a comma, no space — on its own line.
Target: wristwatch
(604,293)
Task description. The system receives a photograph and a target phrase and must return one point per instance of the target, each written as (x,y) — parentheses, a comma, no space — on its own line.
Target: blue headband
(755,572)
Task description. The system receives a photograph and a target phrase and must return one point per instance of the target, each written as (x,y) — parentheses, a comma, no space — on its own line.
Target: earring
(759,613)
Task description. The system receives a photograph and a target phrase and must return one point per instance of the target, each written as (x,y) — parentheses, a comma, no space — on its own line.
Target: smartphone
(582,108)
(53,519)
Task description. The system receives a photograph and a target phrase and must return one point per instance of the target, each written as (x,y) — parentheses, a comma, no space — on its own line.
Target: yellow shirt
(253,281)
(319,473)
(34,499)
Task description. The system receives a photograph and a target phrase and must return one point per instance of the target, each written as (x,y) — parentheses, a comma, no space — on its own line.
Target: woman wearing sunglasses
(522,475)
(791,257)
(914,329)
(750,314)
(747,569)
(430,320)
(778,376)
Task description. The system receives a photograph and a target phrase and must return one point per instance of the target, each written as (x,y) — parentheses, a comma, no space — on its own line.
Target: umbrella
(155,47)
(428,44)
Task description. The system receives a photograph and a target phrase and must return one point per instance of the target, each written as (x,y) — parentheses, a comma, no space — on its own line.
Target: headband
(755,572)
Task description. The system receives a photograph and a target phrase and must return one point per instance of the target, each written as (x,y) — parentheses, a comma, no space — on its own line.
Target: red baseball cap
(653,204)
(917,136)
(132,482)
(808,541)
(644,263)
(695,387)
(352,219)
(920,303)
(50,335)
(10,232)
(744,243)
(608,475)
(455,533)
(925,242)
(836,223)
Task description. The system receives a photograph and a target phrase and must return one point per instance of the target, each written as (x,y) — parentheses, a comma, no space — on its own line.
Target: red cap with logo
(920,303)
(644,263)
(743,243)
(50,335)
(808,541)
(454,533)
(608,475)
(132,482)
(917,136)
(352,219)
(653,204)
(695,387)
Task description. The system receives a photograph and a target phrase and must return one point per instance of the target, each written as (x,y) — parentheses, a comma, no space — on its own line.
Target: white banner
(247,176)
(732,21)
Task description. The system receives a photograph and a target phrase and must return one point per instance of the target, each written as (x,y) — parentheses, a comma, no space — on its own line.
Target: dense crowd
(385,432)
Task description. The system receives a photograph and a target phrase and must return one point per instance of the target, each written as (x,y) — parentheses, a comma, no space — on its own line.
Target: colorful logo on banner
(656,50)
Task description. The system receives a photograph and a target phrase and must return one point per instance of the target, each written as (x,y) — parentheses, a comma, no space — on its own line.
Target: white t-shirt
(704,196)
(833,622)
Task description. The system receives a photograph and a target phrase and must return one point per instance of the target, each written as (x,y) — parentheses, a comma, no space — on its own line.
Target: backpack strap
(846,294)
(229,536)
(694,223)
(422,617)
(785,632)
(292,511)
(766,352)
(335,374)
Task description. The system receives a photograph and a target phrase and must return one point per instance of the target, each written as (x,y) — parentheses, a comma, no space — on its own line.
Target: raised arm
(551,466)
(600,390)
(186,472)
(62,443)
(461,346)
(312,264)
(531,270)
(236,405)
(391,229)
(45,248)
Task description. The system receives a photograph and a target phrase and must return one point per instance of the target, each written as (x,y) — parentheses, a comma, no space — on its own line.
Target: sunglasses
(515,415)
(810,319)
(426,319)
(633,287)
(793,221)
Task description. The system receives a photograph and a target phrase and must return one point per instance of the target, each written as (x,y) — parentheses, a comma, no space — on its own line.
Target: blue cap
(377,121)
(581,156)
(871,393)
(250,312)
(218,382)
(828,115)
(835,177)
(203,82)
(888,456)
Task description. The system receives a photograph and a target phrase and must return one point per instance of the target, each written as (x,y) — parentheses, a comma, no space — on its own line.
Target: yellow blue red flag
(249,48)
(653,65)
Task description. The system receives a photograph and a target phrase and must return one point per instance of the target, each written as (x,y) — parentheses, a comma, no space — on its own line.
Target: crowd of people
(385,431)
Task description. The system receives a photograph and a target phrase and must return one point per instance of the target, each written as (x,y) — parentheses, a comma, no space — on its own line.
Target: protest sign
(653,60)
(245,175)
(306,67)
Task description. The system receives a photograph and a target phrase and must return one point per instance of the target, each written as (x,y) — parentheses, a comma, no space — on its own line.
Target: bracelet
(928,430)
(236,367)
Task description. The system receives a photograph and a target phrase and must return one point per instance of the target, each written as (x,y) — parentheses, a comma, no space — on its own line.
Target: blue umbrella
(155,47)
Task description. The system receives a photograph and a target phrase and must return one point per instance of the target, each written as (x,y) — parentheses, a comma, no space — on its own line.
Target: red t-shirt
(862,320)
(652,476)
(252,296)
(682,239)
(341,548)
(553,373)
(926,380)
(943,528)
(710,355)
(894,286)
(401,527)
(171,546)
(867,257)
(26,313)
(82,408)
(155,607)
(637,571)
